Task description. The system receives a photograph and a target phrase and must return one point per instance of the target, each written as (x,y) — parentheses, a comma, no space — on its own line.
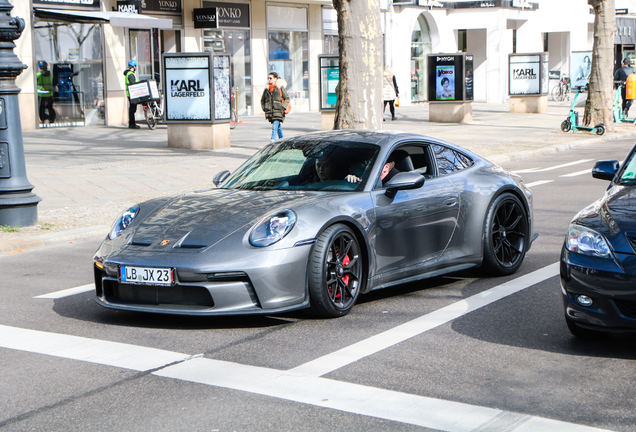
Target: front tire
(506,236)
(600,130)
(566,126)
(336,272)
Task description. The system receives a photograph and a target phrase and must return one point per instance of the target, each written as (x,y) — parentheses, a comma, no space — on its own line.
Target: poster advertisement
(545,73)
(222,89)
(524,74)
(581,68)
(333,78)
(468,80)
(445,82)
(188,88)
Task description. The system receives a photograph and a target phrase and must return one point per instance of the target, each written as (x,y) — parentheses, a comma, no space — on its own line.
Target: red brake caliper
(345,262)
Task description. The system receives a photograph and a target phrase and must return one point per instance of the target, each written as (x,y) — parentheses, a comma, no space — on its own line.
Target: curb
(22,244)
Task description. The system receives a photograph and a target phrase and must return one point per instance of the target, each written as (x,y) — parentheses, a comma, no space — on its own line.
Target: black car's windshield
(628,177)
(306,165)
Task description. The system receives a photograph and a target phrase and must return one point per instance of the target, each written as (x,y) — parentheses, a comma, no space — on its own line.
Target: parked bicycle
(153,111)
(562,90)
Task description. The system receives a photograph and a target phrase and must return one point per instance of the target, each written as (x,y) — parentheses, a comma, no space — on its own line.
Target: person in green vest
(131,78)
(45,92)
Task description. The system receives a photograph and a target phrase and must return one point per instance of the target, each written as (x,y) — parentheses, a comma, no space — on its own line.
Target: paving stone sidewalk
(87,176)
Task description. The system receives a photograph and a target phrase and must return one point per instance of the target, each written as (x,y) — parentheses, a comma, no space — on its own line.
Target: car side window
(449,160)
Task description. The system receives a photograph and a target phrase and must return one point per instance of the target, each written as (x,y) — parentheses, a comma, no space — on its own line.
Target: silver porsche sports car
(313,222)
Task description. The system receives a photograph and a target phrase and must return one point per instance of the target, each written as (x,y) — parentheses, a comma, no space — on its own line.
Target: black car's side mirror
(403,181)
(605,170)
(220,178)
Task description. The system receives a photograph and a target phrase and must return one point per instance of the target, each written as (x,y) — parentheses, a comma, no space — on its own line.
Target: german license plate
(146,275)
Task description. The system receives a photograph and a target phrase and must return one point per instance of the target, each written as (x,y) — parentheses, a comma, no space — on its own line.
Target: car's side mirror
(605,170)
(403,181)
(220,178)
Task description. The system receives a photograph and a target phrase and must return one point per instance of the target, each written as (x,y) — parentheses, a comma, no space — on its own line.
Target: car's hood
(201,219)
(614,216)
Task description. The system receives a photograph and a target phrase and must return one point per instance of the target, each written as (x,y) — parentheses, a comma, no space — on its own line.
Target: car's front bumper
(263,282)
(610,284)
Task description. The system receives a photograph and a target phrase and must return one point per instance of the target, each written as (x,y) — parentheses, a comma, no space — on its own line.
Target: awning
(116,19)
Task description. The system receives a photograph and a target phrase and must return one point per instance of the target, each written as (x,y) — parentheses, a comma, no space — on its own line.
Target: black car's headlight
(273,228)
(585,241)
(123,221)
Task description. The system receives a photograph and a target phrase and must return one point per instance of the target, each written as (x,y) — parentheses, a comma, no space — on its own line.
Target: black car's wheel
(506,236)
(335,272)
(566,126)
(582,333)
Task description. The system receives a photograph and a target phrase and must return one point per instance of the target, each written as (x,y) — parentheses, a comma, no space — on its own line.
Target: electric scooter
(617,109)
(572,122)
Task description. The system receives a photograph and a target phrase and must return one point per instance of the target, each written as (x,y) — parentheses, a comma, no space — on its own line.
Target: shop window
(329,30)
(420,48)
(289,58)
(70,76)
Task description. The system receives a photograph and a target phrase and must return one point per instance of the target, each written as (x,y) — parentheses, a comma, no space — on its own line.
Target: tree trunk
(600,97)
(359,91)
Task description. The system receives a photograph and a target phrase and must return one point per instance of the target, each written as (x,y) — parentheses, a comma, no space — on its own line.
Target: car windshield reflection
(628,177)
(306,165)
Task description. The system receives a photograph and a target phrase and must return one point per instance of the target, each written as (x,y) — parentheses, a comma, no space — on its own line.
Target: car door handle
(450,202)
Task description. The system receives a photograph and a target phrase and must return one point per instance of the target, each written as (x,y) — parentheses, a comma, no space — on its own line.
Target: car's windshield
(628,177)
(306,165)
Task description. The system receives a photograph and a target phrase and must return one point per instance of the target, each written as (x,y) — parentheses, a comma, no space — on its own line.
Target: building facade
(77,50)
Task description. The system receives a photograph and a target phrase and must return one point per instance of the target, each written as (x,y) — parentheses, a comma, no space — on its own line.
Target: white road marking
(374,344)
(67,292)
(538,183)
(534,170)
(578,173)
(89,350)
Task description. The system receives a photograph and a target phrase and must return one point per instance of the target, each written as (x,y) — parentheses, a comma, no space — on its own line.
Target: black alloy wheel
(506,236)
(335,272)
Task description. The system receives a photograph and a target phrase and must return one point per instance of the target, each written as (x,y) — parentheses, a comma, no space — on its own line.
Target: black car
(598,259)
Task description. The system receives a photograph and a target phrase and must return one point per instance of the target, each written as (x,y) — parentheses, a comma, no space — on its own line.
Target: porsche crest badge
(165,242)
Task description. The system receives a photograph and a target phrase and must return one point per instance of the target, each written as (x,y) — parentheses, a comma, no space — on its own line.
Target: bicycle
(233,118)
(153,111)
(562,90)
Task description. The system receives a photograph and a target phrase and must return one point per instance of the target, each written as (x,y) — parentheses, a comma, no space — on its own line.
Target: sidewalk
(87,176)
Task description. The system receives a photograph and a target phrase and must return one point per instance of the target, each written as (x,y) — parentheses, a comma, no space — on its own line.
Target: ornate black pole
(18,206)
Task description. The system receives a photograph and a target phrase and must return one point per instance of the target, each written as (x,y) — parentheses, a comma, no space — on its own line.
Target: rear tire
(600,130)
(566,126)
(336,272)
(506,236)
(150,118)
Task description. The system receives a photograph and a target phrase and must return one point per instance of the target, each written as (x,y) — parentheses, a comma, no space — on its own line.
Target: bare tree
(598,108)
(359,91)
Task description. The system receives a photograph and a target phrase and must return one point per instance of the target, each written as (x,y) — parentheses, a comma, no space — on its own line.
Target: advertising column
(528,82)
(450,87)
(197,100)
(329,79)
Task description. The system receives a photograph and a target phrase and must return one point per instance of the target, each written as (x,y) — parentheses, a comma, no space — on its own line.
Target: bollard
(18,206)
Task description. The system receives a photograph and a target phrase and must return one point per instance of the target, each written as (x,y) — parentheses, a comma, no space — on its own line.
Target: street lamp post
(18,205)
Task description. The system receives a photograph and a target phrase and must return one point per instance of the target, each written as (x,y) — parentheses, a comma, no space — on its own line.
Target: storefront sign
(525,72)
(172,6)
(129,6)
(230,14)
(188,96)
(92,4)
(205,18)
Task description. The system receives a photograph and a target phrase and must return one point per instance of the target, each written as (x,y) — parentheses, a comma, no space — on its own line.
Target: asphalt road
(442,354)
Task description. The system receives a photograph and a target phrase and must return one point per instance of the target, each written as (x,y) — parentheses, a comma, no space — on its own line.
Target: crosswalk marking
(534,170)
(538,183)
(67,292)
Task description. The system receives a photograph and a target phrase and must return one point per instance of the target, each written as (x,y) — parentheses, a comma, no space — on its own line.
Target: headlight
(585,241)
(123,220)
(273,228)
